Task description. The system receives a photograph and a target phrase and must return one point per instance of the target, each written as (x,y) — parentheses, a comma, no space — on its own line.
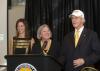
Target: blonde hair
(40,29)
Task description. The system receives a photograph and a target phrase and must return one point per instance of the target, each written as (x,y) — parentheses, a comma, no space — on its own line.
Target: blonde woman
(45,44)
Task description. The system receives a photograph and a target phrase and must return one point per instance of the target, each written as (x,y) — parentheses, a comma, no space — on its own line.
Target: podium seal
(25,67)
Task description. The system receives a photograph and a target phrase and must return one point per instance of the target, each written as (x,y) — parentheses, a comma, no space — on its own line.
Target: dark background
(55,14)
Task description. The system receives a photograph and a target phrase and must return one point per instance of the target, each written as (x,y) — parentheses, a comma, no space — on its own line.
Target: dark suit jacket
(54,50)
(88,48)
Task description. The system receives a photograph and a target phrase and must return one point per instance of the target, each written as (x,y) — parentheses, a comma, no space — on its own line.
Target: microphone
(44,46)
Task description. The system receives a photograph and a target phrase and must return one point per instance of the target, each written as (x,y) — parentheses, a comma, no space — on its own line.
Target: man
(80,50)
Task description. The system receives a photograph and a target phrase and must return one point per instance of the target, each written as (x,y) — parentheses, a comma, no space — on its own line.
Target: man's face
(77,22)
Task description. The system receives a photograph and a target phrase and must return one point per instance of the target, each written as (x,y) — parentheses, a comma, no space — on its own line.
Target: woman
(45,45)
(22,35)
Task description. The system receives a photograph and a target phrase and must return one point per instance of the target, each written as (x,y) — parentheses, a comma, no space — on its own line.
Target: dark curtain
(55,14)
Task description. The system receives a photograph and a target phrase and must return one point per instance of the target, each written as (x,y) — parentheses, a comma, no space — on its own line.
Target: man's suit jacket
(54,50)
(88,48)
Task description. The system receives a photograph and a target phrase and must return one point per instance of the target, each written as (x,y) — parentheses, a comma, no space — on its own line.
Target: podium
(32,63)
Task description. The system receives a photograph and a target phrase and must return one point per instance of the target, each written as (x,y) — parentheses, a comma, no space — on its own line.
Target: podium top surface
(28,55)
(31,55)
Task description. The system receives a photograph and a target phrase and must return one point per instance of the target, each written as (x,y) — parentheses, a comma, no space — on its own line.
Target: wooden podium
(32,63)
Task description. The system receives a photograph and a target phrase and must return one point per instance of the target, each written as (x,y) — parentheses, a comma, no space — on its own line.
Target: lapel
(82,37)
(72,39)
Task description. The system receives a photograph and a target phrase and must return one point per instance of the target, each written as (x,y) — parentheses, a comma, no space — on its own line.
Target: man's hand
(78,62)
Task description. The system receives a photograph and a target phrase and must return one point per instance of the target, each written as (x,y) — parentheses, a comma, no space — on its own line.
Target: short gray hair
(40,29)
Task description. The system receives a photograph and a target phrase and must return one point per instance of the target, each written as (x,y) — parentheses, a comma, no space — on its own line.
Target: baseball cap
(77,13)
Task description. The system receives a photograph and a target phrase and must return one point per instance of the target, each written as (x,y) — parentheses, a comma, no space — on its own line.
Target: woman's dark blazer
(53,51)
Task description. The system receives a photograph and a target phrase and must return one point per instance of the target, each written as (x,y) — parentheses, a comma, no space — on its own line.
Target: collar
(80,30)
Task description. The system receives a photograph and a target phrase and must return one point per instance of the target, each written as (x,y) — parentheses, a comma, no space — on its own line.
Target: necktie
(76,37)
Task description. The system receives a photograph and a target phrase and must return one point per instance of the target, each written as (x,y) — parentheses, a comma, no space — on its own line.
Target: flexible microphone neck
(44,45)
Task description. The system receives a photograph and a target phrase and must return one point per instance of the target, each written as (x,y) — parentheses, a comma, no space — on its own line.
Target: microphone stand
(44,52)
